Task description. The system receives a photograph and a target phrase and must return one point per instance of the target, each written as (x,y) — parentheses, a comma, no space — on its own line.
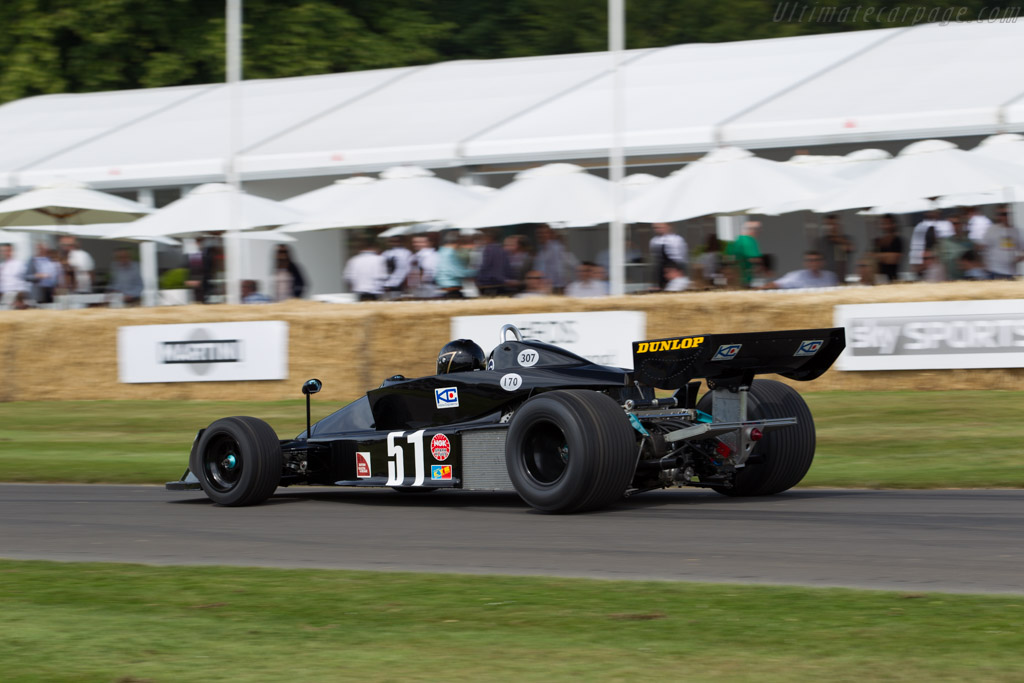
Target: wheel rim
(545,453)
(222,463)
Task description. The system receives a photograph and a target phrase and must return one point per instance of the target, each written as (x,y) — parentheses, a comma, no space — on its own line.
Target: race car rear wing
(733,359)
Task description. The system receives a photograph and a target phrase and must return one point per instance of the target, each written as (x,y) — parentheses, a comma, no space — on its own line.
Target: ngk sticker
(440,447)
(363,465)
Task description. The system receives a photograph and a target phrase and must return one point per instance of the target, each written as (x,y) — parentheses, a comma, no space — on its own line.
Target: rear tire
(570,451)
(783,456)
(238,461)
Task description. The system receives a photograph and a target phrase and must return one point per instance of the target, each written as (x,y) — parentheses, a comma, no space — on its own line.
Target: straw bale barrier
(72,355)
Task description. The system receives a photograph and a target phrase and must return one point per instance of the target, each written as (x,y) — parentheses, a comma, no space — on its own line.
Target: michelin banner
(203,352)
(603,337)
(932,335)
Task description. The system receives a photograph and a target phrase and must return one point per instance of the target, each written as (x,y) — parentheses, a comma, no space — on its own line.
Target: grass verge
(867,439)
(130,623)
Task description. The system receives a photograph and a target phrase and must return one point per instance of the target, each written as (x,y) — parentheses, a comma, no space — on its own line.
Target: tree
(51,46)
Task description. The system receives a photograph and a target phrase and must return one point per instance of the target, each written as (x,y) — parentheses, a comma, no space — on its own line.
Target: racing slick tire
(570,451)
(782,457)
(238,461)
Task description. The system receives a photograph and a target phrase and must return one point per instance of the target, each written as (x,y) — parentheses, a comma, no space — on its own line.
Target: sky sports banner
(604,337)
(933,335)
(205,352)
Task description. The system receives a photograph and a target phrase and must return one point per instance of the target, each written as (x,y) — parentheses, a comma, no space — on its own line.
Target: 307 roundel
(440,447)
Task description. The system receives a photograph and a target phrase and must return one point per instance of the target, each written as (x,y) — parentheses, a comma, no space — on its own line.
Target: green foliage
(53,46)
(174,278)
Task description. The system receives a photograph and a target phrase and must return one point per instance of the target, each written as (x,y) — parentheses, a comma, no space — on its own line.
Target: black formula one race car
(564,433)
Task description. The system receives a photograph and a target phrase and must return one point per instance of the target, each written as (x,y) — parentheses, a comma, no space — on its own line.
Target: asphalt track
(969,541)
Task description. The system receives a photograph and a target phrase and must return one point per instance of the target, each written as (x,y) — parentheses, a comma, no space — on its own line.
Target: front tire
(570,451)
(780,460)
(238,461)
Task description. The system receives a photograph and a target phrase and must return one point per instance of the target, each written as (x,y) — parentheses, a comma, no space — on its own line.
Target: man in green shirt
(746,251)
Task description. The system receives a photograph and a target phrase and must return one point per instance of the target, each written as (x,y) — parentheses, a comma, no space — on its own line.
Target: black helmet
(459,356)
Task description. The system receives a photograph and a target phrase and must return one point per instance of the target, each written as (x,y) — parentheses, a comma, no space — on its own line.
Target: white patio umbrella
(725,180)
(340,192)
(924,169)
(635,184)
(553,193)
(403,194)
(859,163)
(93,231)
(208,208)
(1004,147)
(415,228)
(67,202)
(818,171)
(949,201)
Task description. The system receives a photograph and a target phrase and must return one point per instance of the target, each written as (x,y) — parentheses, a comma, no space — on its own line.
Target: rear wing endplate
(734,359)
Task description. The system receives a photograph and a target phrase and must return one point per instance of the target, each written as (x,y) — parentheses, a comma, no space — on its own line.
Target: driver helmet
(460,355)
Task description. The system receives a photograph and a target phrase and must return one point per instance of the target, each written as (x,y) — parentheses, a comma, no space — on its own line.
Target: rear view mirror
(312,386)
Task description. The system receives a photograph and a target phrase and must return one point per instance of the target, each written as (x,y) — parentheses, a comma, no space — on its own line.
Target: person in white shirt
(80,262)
(422,267)
(12,276)
(666,247)
(366,273)
(977,224)
(588,283)
(675,279)
(926,236)
(1004,248)
(811,276)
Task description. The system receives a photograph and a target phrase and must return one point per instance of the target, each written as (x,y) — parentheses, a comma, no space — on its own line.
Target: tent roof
(855,87)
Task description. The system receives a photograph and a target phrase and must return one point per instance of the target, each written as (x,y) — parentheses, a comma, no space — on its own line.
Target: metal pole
(616,160)
(232,243)
(148,257)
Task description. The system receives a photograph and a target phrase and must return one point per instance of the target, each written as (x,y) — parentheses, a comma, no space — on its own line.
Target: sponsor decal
(528,358)
(669,344)
(490,363)
(440,447)
(809,348)
(929,335)
(447,397)
(207,351)
(726,352)
(441,472)
(979,334)
(363,465)
(199,350)
(511,381)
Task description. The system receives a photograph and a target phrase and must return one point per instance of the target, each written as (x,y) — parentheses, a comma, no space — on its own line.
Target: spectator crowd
(966,245)
(963,245)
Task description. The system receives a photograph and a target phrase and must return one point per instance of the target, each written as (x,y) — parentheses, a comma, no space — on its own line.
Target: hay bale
(352,348)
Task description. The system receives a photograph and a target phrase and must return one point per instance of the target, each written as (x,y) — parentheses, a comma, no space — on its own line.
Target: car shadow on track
(458,499)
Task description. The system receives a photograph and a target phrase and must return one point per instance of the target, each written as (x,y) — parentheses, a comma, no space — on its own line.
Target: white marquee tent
(855,87)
